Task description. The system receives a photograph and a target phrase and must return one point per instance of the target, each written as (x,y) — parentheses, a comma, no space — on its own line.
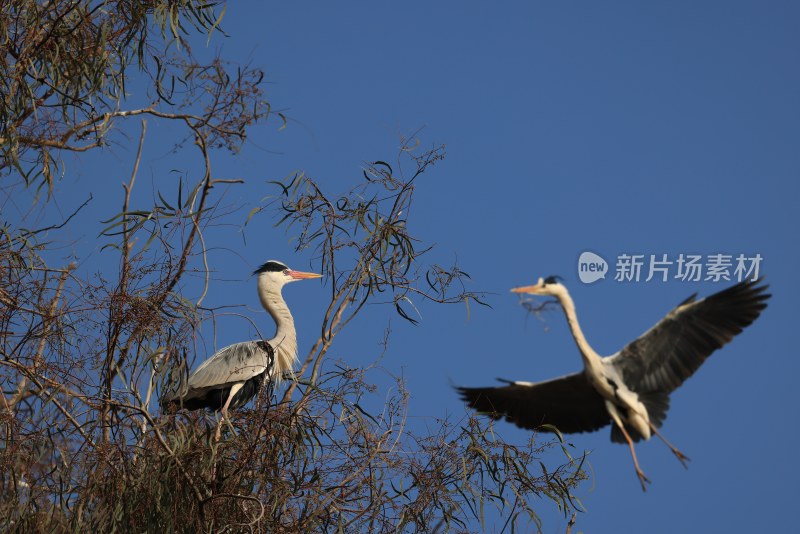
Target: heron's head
(276,274)
(549,287)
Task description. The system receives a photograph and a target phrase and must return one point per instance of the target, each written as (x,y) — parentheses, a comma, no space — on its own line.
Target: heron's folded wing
(569,403)
(235,363)
(670,352)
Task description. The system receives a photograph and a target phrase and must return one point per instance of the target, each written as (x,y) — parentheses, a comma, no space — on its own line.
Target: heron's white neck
(590,357)
(285,341)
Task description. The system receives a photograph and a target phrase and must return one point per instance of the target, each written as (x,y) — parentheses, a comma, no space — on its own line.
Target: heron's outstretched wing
(235,363)
(569,403)
(670,352)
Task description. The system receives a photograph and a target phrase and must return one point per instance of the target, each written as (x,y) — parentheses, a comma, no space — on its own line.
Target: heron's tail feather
(170,404)
(657,405)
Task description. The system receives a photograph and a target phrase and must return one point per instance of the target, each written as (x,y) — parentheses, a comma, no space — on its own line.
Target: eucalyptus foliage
(85,357)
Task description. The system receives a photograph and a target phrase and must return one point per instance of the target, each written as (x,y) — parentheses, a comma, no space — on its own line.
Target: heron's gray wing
(670,352)
(569,403)
(235,363)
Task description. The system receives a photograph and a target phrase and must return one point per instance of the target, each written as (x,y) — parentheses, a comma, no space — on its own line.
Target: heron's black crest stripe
(552,279)
(271,267)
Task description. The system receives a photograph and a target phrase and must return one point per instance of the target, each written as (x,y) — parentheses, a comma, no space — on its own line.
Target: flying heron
(629,389)
(234,375)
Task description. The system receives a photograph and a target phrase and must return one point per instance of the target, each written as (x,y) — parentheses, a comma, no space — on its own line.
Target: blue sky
(620,128)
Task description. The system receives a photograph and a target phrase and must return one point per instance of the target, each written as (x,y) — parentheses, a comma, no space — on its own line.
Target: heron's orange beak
(531,290)
(300,275)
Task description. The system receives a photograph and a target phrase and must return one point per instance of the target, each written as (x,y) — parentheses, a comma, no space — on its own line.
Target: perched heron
(629,389)
(235,374)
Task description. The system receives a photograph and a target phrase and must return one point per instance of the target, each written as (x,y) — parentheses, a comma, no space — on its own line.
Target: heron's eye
(286,272)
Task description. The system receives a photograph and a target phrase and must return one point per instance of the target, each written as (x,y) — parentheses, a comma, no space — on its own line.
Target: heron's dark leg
(234,389)
(612,410)
(678,454)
